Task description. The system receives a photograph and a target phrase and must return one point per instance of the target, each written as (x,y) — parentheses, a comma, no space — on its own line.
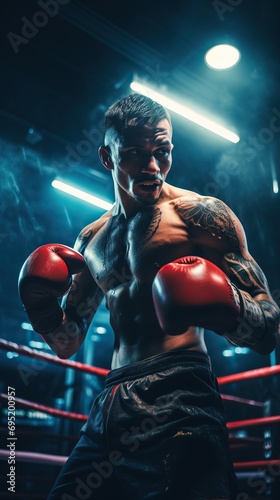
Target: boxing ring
(266,469)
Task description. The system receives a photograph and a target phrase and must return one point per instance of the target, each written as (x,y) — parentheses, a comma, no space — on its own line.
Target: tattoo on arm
(71,295)
(82,311)
(257,317)
(246,273)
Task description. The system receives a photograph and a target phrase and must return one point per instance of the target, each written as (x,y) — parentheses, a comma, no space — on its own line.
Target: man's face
(141,161)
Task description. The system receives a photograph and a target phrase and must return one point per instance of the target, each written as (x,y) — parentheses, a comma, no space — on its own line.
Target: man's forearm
(66,339)
(257,324)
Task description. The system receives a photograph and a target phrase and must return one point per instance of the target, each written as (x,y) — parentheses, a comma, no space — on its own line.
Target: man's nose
(151,166)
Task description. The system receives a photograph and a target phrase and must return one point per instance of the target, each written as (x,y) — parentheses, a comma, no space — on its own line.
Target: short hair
(134,109)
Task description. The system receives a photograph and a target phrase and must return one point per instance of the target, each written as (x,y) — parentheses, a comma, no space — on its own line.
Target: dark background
(56,82)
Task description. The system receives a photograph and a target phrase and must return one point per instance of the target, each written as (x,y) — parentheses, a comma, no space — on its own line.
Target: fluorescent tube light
(186,112)
(82,195)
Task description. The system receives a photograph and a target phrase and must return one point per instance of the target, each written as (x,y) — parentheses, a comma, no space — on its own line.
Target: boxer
(169,263)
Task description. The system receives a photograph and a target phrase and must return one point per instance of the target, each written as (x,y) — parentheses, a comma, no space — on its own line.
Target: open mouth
(149,186)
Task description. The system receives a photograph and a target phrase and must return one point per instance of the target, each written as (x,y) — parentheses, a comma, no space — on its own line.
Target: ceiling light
(82,195)
(186,112)
(222,57)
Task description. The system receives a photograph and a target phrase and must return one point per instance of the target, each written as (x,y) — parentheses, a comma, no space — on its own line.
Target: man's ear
(105,158)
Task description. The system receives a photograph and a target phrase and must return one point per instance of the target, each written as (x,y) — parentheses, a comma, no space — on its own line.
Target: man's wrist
(251,323)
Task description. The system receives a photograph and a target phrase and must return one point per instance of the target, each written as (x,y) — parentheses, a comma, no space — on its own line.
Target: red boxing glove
(45,276)
(192,291)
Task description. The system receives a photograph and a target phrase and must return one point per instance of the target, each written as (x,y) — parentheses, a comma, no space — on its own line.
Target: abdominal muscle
(137,333)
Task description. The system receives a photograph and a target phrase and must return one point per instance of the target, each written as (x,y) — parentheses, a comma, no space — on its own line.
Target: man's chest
(125,250)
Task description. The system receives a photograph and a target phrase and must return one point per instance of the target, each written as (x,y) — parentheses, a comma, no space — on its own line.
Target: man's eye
(163,151)
(131,152)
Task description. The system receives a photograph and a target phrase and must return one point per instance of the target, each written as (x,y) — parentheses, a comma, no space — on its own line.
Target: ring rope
(33,353)
(38,458)
(77,416)
(257,421)
(44,458)
(258,372)
(46,409)
(235,399)
(258,463)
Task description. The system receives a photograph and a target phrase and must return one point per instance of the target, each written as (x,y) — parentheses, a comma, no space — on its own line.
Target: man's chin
(146,200)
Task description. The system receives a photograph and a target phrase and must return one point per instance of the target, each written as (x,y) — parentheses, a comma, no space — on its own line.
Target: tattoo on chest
(212,216)
(145,225)
(83,239)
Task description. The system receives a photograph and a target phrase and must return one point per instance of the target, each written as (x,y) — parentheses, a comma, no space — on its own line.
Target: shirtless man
(158,430)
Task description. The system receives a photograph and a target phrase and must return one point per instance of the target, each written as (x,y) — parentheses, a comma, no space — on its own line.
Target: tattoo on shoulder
(211,215)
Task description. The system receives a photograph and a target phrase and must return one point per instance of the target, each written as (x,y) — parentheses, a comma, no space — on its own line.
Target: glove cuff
(45,318)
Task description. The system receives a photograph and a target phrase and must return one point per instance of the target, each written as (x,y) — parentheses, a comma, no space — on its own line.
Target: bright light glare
(101,330)
(222,56)
(11,355)
(275,186)
(241,350)
(26,326)
(186,112)
(82,195)
(227,353)
(37,345)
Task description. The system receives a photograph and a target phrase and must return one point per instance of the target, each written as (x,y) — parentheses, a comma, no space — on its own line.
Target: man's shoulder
(187,198)
(96,225)
(89,231)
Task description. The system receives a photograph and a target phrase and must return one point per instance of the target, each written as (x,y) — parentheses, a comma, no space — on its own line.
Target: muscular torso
(124,256)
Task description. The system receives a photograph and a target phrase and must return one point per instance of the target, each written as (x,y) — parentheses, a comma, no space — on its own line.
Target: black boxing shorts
(156,432)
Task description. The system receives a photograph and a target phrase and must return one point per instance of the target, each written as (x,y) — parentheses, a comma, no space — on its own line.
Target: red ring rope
(43,458)
(77,416)
(258,463)
(46,409)
(32,353)
(259,372)
(255,421)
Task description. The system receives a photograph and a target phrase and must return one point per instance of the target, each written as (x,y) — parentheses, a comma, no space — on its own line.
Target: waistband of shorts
(159,362)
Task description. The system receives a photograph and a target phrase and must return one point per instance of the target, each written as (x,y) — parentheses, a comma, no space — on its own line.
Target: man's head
(132,110)
(137,148)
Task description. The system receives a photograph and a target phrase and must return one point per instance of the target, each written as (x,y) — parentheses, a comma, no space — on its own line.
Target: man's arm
(258,321)
(46,276)
(217,229)
(79,306)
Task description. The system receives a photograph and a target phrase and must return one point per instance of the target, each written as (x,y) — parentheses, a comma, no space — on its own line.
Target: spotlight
(222,57)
